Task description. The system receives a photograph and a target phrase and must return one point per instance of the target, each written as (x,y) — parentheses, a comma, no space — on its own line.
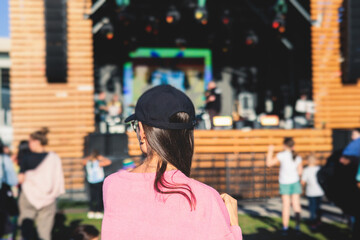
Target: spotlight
(281,10)
(151,26)
(105,28)
(201,15)
(173,15)
(251,38)
(226,17)
(110,35)
(108,30)
(276,24)
(279,23)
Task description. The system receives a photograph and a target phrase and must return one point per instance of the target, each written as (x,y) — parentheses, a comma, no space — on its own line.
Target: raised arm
(85,160)
(103,161)
(271,160)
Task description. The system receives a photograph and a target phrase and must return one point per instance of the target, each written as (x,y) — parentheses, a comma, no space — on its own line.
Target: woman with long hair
(158,200)
(289,179)
(42,181)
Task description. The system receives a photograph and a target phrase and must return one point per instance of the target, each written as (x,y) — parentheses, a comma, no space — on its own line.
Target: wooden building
(66,108)
(231,161)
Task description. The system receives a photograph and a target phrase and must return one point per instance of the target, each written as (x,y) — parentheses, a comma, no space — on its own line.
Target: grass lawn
(253,227)
(265,228)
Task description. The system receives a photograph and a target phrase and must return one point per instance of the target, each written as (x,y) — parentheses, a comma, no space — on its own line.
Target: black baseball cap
(156,106)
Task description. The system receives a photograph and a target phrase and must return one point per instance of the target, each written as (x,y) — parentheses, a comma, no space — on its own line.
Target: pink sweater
(134,210)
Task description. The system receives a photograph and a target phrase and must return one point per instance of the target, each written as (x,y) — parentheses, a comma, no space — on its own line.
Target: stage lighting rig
(105,28)
(226,20)
(201,15)
(152,26)
(251,38)
(122,3)
(173,15)
(280,9)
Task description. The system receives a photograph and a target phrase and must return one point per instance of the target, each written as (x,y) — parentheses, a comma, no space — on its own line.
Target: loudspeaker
(56,40)
(349,17)
(106,144)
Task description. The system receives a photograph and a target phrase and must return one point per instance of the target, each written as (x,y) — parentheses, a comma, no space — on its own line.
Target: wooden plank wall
(233,161)
(67,109)
(338,105)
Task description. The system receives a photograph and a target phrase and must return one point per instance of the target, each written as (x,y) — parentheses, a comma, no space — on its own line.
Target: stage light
(148,28)
(226,17)
(201,15)
(104,28)
(122,3)
(173,15)
(276,24)
(169,19)
(279,23)
(251,38)
(281,10)
(223,121)
(249,42)
(269,120)
(110,35)
(151,26)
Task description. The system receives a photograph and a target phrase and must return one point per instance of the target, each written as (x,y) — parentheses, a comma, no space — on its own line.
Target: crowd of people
(140,202)
(31,182)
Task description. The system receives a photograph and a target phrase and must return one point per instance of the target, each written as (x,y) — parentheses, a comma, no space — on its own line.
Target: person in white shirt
(313,190)
(289,179)
(305,109)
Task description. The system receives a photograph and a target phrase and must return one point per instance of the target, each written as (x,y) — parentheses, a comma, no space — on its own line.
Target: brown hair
(41,135)
(175,147)
(289,142)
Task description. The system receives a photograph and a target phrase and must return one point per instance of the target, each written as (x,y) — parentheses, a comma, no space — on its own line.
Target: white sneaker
(99,215)
(91,215)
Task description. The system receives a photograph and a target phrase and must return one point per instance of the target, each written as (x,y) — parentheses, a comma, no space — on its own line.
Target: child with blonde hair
(313,190)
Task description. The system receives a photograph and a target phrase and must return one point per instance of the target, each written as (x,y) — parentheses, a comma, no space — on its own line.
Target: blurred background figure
(94,166)
(213,101)
(313,191)
(23,150)
(85,232)
(42,180)
(289,179)
(351,153)
(101,111)
(8,206)
(114,108)
(305,110)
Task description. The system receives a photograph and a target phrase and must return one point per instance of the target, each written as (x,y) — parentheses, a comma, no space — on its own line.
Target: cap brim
(130,118)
